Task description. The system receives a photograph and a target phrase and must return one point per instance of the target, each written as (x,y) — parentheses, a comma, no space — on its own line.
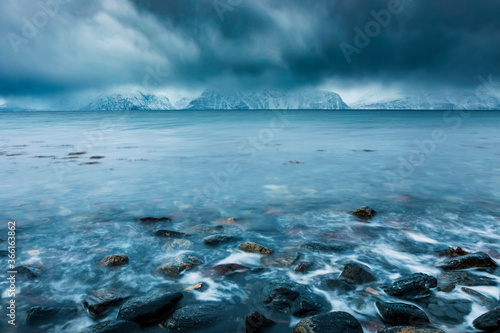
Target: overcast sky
(70,47)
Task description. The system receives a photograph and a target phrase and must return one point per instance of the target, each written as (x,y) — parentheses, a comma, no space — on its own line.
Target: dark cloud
(101,45)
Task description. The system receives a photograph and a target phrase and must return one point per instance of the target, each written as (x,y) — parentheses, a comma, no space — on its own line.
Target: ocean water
(289,177)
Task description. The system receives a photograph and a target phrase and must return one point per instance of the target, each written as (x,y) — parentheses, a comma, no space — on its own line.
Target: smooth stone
(114,260)
(363,212)
(452,311)
(224,269)
(220,239)
(473,260)
(257,323)
(38,315)
(321,247)
(150,308)
(341,286)
(489,321)
(154,219)
(413,287)
(195,316)
(328,323)
(409,329)
(173,267)
(171,234)
(357,273)
(114,327)
(401,314)
(283,259)
(254,248)
(102,300)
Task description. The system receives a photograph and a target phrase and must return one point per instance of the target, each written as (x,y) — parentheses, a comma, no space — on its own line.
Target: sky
(57,49)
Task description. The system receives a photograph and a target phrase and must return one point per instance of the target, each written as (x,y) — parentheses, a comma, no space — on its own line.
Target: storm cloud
(54,47)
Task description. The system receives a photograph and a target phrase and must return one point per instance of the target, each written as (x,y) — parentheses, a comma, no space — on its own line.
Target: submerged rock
(114,260)
(409,329)
(27,272)
(327,323)
(401,314)
(474,260)
(302,267)
(254,248)
(38,315)
(171,234)
(173,267)
(257,323)
(364,212)
(150,308)
(489,321)
(224,269)
(101,301)
(341,286)
(177,244)
(196,316)
(413,287)
(284,259)
(321,247)
(154,219)
(452,311)
(448,280)
(485,300)
(220,239)
(357,273)
(120,326)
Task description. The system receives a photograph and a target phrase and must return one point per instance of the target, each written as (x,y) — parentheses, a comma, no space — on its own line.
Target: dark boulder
(284,259)
(225,269)
(453,252)
(474,260)
(173,267)
(220,239)
(341,286)
(257,323)
(413,287)
(401,314)
(409,329)
(120,326)
(489,321)
(27,272)
(254,248)
(154,219)
(196,316)
(302,267)
(364,212)
(321,247)
(101,301)
(328,323)
(171,234)
(39,315)
(114,260)
(357,273)
(150,308)
(451,311)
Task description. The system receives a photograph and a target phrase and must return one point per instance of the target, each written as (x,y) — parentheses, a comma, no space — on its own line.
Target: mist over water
(290,177)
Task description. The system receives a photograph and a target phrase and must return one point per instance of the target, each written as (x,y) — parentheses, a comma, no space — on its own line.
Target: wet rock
(321,247)
(38,315)
(154,219)
(195,316)
(302,267)
(254,248)
(489,321)
(364,212)
(173,267)
(27,272)
(357,273)
(220,239)
(485,300)
(401,314)
(199,287)
(474,260)
(452,311)
(114,327)
(257,323)
(341,286)
(177,244)
(114,260)
(448,280)
(327,323)
(290,297)
(101,301)
(171,234)
(150,308)
(284,259)
(202,228)
(413,287)
(453,252)
(225,269)
(409,329)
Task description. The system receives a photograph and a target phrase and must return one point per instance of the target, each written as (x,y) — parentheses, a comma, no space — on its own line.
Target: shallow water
(290,176)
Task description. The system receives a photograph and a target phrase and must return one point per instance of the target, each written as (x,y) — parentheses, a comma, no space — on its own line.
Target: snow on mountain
(129,101)
(266,99)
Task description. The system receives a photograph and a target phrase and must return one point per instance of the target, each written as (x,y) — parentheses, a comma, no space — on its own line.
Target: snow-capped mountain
(266,99)
(129,101)
(446,101)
